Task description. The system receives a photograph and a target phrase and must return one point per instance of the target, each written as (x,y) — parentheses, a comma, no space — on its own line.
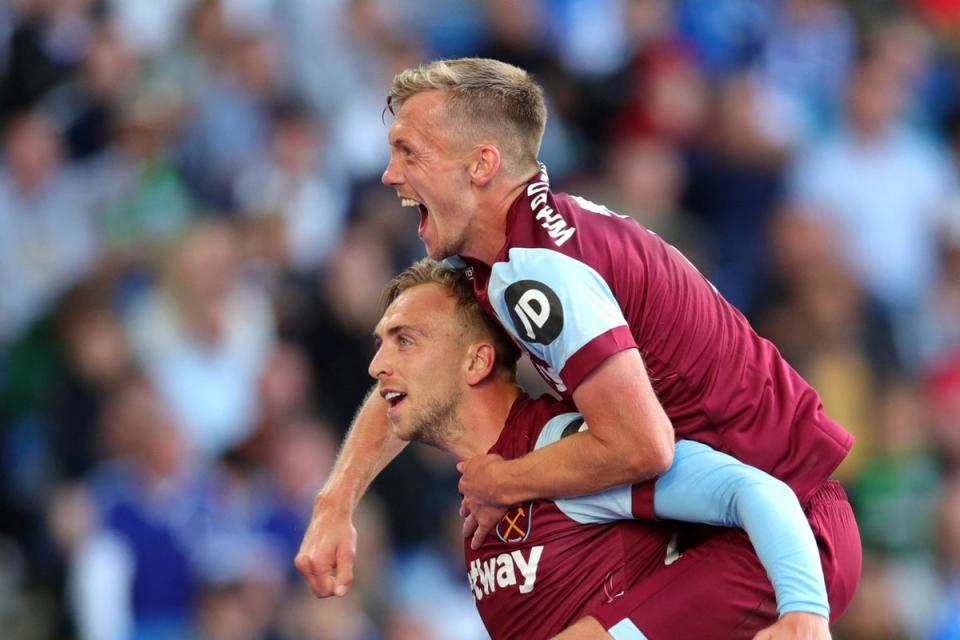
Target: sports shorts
(718,588)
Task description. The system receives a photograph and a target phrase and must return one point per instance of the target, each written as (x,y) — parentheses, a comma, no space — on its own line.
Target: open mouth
(393,398)
(410,202)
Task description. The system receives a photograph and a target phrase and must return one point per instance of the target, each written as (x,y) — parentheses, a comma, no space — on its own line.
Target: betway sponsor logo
(504,571)
(556,227)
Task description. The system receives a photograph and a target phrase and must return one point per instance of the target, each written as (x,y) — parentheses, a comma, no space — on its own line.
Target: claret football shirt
(576,283)
(550,562)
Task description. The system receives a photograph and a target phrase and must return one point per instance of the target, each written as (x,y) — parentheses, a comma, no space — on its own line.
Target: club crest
(515,525)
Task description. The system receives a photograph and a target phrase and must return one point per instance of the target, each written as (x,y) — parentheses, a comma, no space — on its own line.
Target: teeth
(393,395)
(407,202)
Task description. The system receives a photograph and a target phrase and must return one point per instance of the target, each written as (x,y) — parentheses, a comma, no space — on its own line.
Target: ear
(481,358)
(485,164)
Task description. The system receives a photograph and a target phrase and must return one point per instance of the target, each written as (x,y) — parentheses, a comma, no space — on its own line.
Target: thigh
(717,589)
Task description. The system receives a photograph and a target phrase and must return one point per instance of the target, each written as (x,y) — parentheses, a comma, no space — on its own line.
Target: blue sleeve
(552,303)
(704,485)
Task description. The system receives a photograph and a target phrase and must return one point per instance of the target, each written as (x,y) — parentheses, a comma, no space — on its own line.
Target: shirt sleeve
(561,309)
(704,485)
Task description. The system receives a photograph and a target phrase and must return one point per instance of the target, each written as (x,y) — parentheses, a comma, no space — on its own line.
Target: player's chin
(437,252)
(400,430)
(439,249)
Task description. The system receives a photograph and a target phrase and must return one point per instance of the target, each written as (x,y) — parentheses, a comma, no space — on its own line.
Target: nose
(391,175)
(379,365)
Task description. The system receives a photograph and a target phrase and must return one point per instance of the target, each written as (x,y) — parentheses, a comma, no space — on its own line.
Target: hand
(326,554)
(797,626)
(481,506)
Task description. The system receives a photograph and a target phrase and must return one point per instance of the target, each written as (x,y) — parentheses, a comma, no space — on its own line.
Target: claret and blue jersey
(552,562)
(575,283)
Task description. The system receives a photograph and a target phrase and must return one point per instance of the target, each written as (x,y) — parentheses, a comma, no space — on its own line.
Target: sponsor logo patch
(535,311)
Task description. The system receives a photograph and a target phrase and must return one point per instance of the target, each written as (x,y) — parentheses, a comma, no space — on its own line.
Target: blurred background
(193,239)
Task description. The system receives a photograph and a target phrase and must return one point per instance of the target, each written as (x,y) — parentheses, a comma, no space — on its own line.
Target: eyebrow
(400,328)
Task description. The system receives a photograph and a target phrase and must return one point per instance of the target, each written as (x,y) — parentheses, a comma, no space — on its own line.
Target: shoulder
(527,422)
(560,426)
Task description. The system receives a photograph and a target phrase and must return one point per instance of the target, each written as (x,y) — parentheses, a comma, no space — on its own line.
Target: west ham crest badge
(515,525)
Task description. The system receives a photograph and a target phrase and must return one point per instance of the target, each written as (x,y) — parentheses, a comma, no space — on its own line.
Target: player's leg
(717,589)
(835,529)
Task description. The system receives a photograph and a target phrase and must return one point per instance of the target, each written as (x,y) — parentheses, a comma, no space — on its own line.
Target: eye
(404,341)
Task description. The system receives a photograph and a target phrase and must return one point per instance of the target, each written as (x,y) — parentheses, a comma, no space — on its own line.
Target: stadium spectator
(806,57)
(295,182)
(938,330)
(825,325)
(48,240)
(144,202)
(84,104)
(132,573)
(204,336)
(47,42)
(900,483)
(734,181)
(231,121)
(881,188)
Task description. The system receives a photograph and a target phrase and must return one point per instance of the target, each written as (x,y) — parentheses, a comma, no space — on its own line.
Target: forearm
(576,465)
(368,447)
(786,547)
(708,486)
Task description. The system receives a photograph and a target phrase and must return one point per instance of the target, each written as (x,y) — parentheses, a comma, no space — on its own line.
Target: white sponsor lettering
(527,312)
(528,568)
(554,224)
(472,580)
(537,187)
(548,216)
(487,572)
(503,571)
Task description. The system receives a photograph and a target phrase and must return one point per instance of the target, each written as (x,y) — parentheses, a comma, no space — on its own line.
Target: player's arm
(630,439)
(326,553)
(567,315)
(704,485)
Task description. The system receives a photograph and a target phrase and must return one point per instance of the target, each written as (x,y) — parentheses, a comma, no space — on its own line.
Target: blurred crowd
(193,239)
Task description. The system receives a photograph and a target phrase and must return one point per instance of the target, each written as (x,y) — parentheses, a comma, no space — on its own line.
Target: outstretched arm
(326,554)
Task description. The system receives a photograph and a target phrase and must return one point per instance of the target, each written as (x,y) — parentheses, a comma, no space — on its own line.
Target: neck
(484,412)
(489,232)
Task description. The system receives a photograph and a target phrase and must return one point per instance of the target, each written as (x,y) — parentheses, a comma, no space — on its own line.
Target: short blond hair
(486,99)
(475,321)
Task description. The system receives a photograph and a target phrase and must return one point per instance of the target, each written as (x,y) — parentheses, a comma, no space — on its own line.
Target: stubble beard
(457,236)
(437,424)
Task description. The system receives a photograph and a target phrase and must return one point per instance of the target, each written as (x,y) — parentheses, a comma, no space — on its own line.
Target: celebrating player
(447,373)
(614,318)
